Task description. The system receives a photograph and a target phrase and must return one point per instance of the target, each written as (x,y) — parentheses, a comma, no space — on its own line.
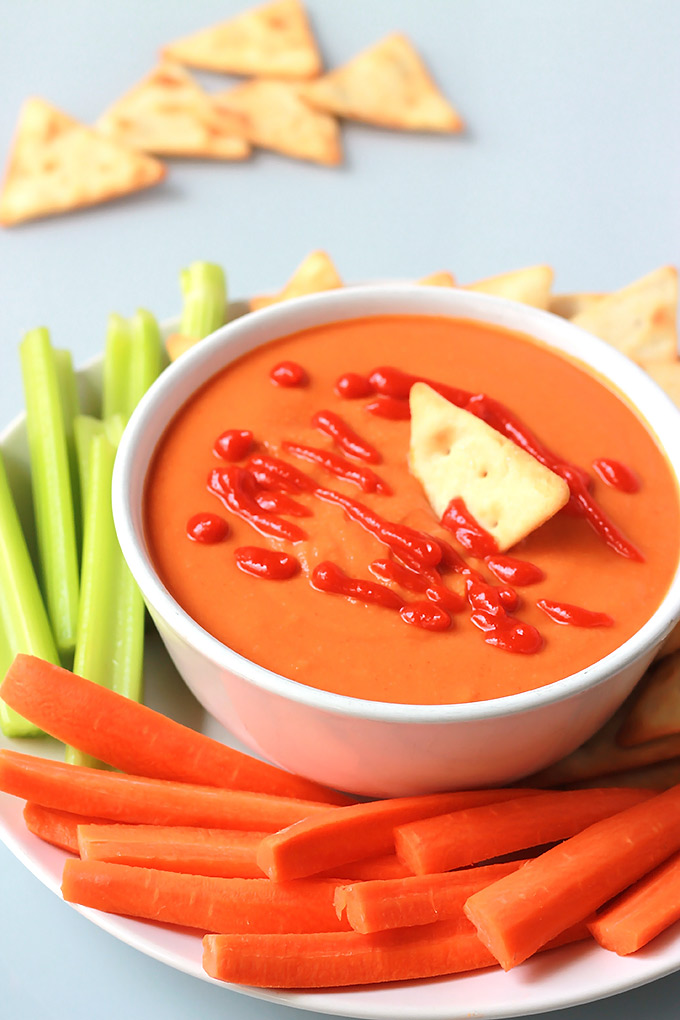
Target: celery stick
(204,289)
(52,494)
(70,406)
(24,626)
(85,427)
(145,356)
(116,373)
(101,552)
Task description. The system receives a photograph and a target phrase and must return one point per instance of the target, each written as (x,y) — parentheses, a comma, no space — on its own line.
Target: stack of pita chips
(288,106)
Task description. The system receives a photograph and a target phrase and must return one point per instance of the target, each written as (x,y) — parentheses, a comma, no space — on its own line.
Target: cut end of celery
(14,725)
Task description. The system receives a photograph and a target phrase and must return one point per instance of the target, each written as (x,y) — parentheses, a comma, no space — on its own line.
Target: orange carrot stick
(122,798)
(642,912)
(419,899)
(519,913)
(348,958)
(137,740)
(477,834)
(199,901)
(360,830)
(222,853)
(370,869)
(60,828)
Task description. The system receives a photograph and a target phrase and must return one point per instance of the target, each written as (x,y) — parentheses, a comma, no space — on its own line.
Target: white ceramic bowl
(369,747)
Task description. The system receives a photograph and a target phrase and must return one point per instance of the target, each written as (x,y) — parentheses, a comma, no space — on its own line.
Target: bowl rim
(160,403)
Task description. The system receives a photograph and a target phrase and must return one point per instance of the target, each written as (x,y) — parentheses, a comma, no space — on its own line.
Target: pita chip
(641,319)
(387,85)
(168,113)
(441,279)
(602,755)
(667,375)
(314,274)
(58,164)
(272,41)
(569,305)
(275,117)
(454,454)
(531,286)
(655,709)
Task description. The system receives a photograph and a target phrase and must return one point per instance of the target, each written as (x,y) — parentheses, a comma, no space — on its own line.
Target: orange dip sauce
(327,641)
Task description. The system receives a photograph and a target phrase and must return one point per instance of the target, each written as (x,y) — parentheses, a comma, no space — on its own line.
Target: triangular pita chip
(170,114)
(442,279)
(314,274)
(454,454)
(655,709)
(273,41)
(667,375)
(640,319)
(275,117)
(531,286)
(569,305)
(58,164)
(388,85)
(602,755)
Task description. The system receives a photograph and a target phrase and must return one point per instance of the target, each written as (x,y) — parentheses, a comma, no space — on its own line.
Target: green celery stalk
(85,427)
(146,354)
(52,493)
(93,652)
(116,373)
(70,405)
(24,626)
(204,289)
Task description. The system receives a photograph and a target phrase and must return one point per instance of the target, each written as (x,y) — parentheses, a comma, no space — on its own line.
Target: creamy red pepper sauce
(334,571)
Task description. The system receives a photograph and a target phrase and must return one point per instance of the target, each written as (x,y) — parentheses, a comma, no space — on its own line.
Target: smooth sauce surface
(327,641)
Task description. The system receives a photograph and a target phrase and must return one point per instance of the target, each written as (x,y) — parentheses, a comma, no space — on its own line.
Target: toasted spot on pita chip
(170,114)
(640,319)
(441,279)
(655,708)
(602,755)
(387,85)
(315,273)
(177,344)
(275,117)
(57,164)
(667,375)
(453,453)
(569,305)
(272,41)
(531,286)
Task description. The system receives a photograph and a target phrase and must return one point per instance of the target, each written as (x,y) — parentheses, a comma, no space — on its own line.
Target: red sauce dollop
(266,563)
(234,444)
(616,474)
(563,612)
(352,386)
(207,528)
(289,373)
(519,572)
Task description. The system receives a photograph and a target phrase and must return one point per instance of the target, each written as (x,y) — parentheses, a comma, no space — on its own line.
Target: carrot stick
(642,912)
(519,913)
(477,834)
(360,830)
(372,868)
(419,899)
(222,853)
(348,958)
(60,828)
(124,798)
(137,740)
(198,901)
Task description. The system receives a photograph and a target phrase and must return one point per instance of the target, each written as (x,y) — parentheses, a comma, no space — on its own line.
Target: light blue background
(572,157)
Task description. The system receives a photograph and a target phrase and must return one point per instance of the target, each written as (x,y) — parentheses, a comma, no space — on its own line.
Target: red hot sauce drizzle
(234,444)
(616,474)
(288,374)
(562,612)
(278,475)
(207,528)
(392,408)
(513,571)
(237,489)
(467,531)
(281,503)
(367,480)
(346,438)
(329,577)
(352,386)
(266,563)
(426,615)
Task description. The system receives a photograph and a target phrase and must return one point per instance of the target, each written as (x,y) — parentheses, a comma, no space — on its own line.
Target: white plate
(555,980)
